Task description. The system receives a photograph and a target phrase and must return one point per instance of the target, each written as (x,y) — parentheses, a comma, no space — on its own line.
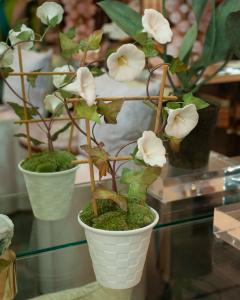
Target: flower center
(122,60)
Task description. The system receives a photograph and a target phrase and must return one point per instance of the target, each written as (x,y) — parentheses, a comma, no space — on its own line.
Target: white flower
(157,26)
(83,86)
(6,59)
(53,103)
(181,121)
(151,149)
(59,80)
(126,63)
(24,34)
(50,13)
(6,232)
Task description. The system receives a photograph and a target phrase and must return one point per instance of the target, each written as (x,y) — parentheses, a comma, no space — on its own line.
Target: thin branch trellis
(27,122)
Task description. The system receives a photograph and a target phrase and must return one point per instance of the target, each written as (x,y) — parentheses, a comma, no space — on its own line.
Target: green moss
(103,206)
(113,220)
(139,216)
(47,162)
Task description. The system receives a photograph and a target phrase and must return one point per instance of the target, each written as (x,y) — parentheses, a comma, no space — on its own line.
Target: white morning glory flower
(53,103)
(157,26)
(24,34)
(83,86)
(151,149)
(6,232)
(181,121)
(60,80)
(126,63)
(6,59)
(50,13)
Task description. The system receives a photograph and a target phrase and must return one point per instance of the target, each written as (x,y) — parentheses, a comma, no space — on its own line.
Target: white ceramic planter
(118,257)
(50,194)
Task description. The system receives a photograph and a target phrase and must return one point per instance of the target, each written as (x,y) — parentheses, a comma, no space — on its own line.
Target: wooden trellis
(27,122)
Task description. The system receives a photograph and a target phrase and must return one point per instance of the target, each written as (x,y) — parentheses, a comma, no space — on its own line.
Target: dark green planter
(195,148)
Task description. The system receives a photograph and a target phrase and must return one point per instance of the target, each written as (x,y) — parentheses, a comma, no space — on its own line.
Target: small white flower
(181,121)
(126,63)
(50,13)
(151,149)
(6,59)
(24,34)
(53,103)
(60,80)
(83,86)
(6,232)
(157,26)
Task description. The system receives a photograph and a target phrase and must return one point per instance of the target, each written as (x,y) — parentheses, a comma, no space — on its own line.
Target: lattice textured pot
(50,194)
(118,257)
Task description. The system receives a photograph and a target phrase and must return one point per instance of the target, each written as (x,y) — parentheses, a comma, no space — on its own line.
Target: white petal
(7,58)
(87,85)
(157,26)
(151,149)
(181,121)
(49,10)
(59,80)
(53,104)
(126,63)
(14,39)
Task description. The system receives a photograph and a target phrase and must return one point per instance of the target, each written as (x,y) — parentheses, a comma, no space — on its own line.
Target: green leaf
(198,7)
(5,71)
(24,35)
(177,66)
(149,49)
(71,32)
(99,157)
(102,193)
(33,140)
(233,32)
(139,181)
(125,17)
(173,105)
(87,112)
(53,22)
(110,110)
(19,110)
(188,41)
(68,46)
(32,78)
(96,71)
(93,41)
(61,130)
(190,99)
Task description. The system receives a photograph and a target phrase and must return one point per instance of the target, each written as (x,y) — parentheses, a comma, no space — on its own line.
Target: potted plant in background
(152,33)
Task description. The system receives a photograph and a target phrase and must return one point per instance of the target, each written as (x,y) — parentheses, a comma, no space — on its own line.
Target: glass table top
(178,200)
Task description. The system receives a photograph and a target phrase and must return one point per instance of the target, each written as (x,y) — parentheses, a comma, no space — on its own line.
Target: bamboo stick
(85,161)
(24,102)
(88,132)
(133,98)
(159,107)
(39,73)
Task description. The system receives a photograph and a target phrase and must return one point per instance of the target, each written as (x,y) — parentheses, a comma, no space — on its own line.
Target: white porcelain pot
(50,194)
(118,257)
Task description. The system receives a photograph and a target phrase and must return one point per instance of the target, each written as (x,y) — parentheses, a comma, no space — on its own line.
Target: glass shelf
(33,236)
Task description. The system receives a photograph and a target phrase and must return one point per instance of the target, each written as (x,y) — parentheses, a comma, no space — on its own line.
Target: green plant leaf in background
(188,41)
(105,194)
(99,157)
(71,32)
(110,110)
(93,41)
(87,112)
(125,17)
(68,46)
(190,99)
(198,8)
(177,66)
(139,181)
(32,78)
(173,105)
(61,130)
(96,71)
(19,110)
(33,140)
(233,31)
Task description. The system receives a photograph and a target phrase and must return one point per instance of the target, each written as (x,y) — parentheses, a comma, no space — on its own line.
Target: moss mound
(111,217)
(47,162)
